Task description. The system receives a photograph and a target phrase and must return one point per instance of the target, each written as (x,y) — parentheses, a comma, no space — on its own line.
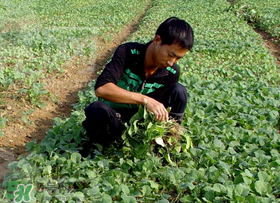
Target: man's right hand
(113,93)
(157,108)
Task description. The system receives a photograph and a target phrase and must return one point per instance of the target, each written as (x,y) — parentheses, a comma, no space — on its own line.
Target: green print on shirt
(171,70)
(134,51)
(132,82)
(148,88)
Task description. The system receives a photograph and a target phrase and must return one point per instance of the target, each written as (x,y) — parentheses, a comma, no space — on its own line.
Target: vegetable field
(264,15)
(39,39)
(227,148)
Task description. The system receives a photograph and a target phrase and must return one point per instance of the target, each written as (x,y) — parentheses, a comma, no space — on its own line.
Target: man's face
(167,55)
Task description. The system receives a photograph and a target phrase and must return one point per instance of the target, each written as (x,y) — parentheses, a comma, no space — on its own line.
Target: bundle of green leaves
(145,136)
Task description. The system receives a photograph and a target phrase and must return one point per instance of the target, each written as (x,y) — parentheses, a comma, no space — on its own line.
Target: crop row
(264,15)
(41,38)
(233,110)
(232,118)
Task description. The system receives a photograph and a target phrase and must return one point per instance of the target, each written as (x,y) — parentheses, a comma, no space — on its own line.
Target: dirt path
(65,86)
(271,43)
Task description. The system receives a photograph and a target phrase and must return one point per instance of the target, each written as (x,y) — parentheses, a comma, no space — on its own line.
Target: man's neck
(149,64)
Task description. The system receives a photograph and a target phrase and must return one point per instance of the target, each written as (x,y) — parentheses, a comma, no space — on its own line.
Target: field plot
(40,39)
(264,15)
(229,150)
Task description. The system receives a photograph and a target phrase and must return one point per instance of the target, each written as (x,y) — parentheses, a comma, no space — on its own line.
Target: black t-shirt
(126,70)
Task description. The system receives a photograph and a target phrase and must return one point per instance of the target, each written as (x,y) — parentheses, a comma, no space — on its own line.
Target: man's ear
(157,40)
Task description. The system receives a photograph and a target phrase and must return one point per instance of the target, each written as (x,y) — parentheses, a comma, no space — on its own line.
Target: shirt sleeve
(114,68)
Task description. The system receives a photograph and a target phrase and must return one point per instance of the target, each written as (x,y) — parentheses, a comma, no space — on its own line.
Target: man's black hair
(174,30)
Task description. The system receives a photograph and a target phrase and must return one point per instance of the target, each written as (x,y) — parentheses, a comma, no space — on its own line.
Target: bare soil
(76,76)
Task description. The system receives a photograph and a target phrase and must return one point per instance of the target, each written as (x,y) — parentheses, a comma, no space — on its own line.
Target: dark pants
(104,125)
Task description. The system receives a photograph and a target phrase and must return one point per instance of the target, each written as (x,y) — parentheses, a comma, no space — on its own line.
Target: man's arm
(113,93)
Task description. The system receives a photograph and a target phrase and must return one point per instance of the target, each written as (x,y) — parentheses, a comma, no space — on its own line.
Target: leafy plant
(232,119)
(41,38)
(2,124)
(261,14)
(144,136)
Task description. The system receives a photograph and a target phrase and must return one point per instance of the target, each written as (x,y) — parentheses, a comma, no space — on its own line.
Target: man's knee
(97,112)
(101,123)
(180,92)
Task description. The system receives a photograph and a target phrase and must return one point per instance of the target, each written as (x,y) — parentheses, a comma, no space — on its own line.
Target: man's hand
(113,93)
(157,108)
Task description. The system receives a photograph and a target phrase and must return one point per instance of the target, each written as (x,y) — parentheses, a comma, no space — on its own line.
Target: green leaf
(187,199)
(146,190)
(263,176)
(210,195)
(262,187)
(135,128)
(47,170)
(145,113)
(251,199)
(91,174)
(241,190)
(273,116)
(93,191)
(104,163)
(230,189)
(78,195)
(218,144)
(116,191)
(30,145)
(160,141)
(200,114)
(128,199)
(13,165)
(168,159)
(154,185)
(189,143)
(163,201)
(27,168)
(76,157)
(219,188)
(124,188)
(43,196)
(106,199)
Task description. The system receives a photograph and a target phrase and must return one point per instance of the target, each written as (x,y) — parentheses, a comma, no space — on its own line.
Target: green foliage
(55,161)
(39,38)
(144,136)
(264,15)
(232,119)
(2,124)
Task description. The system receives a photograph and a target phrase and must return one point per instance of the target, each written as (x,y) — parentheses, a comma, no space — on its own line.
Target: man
(140,74)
